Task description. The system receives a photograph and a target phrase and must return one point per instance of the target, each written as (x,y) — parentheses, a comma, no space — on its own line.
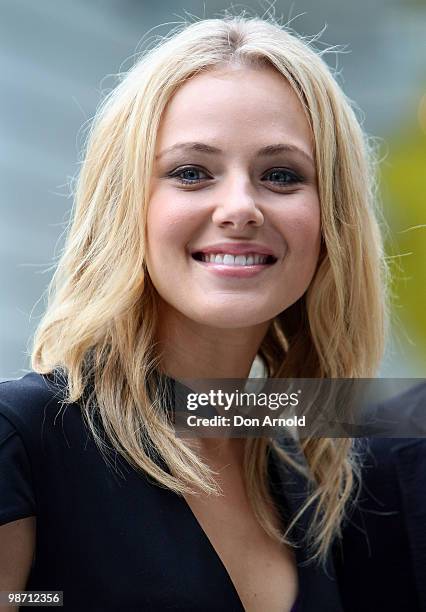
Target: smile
(234,267)
(227,259)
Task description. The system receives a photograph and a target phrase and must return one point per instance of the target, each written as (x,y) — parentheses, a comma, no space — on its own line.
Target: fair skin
(240,112)
(213,322)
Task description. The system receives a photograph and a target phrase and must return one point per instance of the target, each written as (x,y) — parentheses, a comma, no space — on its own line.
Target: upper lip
(235,248)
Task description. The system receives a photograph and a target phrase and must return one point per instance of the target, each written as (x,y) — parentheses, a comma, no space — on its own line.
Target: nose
(236,207)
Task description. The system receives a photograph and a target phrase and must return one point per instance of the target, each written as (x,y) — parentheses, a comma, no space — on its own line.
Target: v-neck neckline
(313,581)
(212,551)
(220,563)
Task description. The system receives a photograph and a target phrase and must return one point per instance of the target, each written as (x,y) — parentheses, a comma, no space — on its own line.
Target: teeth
(234,260)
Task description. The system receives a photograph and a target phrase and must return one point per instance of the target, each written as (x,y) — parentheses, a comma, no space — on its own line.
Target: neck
(194,351)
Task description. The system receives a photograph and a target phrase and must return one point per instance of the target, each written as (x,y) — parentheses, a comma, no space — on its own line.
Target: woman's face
(234,220)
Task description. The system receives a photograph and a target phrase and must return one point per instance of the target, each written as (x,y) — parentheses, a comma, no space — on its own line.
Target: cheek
(170,227)
(306,236)
(162,224)
(302,227)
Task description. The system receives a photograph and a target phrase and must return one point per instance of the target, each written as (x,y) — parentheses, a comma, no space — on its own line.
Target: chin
(225,318)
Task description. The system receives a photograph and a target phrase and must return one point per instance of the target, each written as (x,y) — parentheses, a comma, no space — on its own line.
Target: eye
(283,177)
(187,175)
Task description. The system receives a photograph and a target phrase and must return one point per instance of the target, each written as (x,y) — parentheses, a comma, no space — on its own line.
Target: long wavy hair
(101,320)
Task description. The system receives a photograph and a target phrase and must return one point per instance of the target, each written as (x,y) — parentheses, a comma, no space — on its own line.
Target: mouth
(248,260)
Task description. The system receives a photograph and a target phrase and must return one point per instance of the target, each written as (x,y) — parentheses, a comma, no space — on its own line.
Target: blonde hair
(101,320)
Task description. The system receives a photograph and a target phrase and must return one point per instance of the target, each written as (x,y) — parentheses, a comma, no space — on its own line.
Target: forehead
(248,105)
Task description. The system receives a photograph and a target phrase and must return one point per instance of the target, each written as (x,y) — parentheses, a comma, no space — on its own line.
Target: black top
(381,561)
(109,538)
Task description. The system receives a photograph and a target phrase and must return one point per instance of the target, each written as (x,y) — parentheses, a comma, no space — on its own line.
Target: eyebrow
(263,152)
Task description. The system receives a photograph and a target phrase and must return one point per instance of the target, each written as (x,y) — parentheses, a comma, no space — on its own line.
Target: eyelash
(294,178)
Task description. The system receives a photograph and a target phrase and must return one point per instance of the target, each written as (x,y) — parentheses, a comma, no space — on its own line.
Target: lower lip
(234,271)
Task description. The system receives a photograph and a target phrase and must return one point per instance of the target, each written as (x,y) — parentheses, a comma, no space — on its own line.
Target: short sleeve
(17,499)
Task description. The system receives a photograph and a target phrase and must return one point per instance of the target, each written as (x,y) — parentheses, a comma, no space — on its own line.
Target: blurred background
(54,61)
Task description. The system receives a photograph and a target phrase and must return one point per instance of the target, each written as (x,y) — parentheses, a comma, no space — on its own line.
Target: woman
(223,212)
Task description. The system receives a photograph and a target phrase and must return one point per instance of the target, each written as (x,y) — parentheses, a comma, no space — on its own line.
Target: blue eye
(189,176)
(190,171)
(289,177)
